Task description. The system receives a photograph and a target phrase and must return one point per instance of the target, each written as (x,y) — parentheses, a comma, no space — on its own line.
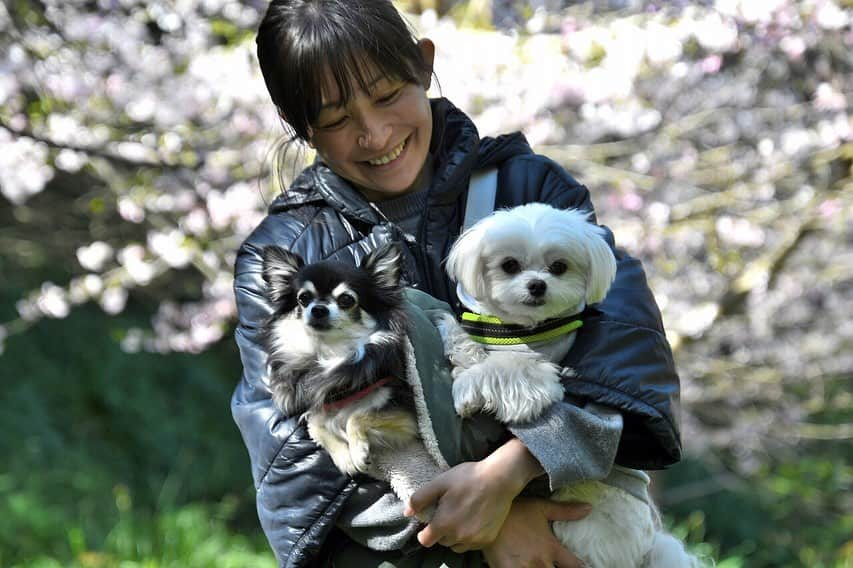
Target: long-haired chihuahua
(335,346)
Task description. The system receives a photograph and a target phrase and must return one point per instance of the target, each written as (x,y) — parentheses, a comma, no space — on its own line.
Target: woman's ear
(427,48)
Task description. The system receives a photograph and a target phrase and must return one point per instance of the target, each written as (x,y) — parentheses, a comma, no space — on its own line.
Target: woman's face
(378,140)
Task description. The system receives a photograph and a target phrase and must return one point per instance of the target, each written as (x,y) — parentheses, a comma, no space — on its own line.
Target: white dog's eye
(346,301)
(557,267)
(304,298)
(511,266)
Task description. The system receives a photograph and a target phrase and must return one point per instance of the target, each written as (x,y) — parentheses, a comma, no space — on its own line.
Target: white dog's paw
(517,388)
(449,329)
(458,346)
(467,399)
(543,388)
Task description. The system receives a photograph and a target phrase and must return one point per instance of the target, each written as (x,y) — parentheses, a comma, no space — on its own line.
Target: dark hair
(298,40)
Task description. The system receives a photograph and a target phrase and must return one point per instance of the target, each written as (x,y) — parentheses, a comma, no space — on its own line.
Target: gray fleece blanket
(573,441)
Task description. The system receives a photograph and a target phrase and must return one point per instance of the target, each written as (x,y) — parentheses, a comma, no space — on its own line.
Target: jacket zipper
(413,248)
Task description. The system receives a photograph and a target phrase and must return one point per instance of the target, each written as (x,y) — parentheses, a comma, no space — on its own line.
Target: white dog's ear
(279,267)
(602,264)
(465,260)
(385,264)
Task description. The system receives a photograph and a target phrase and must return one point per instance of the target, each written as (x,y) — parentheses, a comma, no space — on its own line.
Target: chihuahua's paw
(343,461)
(360,455)
(467,399)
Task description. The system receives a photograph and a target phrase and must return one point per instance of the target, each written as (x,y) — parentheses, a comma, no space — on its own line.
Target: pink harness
(356,396)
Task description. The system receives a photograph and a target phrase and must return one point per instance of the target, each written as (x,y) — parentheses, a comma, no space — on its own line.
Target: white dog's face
(533,262)
(526,281)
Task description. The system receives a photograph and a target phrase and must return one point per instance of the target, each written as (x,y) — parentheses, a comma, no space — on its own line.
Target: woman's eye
(558,267)
(336,124)
(304,298)
(390,97)
(346,301)
(511,266)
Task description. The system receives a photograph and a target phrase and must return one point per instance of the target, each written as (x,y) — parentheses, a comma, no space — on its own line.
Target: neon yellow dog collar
(492,331)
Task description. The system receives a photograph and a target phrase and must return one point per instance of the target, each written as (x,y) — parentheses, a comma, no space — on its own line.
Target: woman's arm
(479,509)
(526,539)
(567,444)
(474,498)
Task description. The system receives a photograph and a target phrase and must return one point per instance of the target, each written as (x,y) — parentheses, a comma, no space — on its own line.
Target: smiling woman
(349,78)
(304,48)
(379,138)
(366,111)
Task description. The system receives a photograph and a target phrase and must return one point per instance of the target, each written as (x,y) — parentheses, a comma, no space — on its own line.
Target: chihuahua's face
(328,301)
(333,301)
(533,262)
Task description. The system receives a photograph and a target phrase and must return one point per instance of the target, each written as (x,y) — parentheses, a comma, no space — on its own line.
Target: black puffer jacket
(622,357)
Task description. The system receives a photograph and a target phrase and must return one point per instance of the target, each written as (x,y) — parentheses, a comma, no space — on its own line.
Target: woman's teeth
(389,157)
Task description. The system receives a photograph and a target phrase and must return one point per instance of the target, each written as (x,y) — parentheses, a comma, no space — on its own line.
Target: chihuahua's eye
(558,267)
(511,266)
(304,298)
(346,301)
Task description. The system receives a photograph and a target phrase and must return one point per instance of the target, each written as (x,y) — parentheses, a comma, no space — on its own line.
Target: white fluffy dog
(528,273)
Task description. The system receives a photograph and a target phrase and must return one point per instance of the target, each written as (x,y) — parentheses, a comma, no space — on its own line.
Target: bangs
(332,71)
(333,51)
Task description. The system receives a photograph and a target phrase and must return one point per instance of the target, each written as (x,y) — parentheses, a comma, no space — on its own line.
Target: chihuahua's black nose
(537,288)
(319,311)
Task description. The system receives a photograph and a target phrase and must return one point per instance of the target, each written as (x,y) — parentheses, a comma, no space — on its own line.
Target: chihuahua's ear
(279,268)
(602,264)
(385,265)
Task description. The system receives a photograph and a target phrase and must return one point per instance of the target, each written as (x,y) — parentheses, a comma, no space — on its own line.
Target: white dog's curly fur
(526,265)
(523,265)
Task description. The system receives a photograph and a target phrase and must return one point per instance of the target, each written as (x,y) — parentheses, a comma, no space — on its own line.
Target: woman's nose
(375,132)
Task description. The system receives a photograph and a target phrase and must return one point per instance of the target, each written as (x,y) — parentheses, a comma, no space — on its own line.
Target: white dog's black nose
(537,288)
(319,311)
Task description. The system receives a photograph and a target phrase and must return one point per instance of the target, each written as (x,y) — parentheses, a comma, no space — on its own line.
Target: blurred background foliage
(136,146)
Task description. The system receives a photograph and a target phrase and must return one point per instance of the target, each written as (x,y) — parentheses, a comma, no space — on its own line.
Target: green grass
(188,537)
(117,459)
(133,460)
(790,514)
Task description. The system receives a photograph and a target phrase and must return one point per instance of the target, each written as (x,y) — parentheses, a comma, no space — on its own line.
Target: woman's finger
(565,559)
(427,495)
(574,511)
(428,536)
(459,548)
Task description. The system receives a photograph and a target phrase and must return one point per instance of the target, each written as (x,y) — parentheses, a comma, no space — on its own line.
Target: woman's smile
(391,157)
(356,143)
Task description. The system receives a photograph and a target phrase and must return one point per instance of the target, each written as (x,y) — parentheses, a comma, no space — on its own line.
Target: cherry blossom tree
(137,146)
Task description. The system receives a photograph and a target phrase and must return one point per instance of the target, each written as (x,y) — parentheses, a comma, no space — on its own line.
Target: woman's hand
(525,539)
(472,499)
